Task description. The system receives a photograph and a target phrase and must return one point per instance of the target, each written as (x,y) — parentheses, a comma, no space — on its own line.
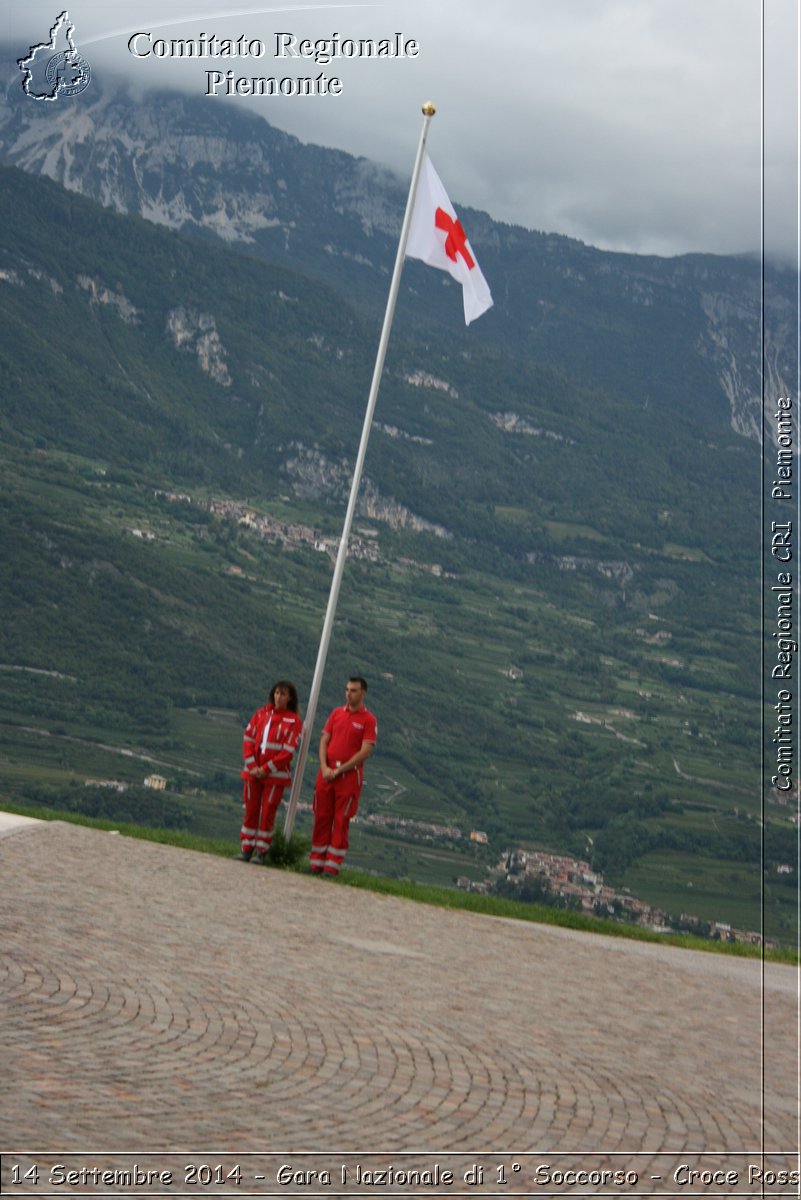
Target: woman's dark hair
(292,702)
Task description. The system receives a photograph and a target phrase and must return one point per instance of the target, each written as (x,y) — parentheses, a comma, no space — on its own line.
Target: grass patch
(289,853)
(564,530)
(511,514)
(688,553)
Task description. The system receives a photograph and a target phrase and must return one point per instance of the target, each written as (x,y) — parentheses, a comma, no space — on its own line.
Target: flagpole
(342,553)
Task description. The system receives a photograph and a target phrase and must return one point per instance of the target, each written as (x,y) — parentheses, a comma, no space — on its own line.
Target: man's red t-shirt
(348,730)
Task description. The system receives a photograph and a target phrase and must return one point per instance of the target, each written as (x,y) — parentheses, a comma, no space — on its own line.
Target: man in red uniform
(270,740)
(347,741)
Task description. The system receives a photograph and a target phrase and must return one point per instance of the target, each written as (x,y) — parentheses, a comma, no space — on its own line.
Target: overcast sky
(631,124)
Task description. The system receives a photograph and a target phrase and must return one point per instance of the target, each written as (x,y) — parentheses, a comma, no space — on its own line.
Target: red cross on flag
(436,236)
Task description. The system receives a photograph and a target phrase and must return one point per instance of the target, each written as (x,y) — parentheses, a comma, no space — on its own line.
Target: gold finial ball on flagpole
(429,109)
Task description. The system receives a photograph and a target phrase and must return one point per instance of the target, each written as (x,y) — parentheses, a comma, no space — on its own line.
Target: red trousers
(262,798)
(334,806)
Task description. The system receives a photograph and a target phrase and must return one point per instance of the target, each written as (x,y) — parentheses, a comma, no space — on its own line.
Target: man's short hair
(362,682)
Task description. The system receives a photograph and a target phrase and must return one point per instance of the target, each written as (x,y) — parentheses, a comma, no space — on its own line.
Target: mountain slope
(563,651)
(681,333)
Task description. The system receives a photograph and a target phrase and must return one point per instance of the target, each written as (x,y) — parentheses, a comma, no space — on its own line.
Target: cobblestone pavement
(156,999)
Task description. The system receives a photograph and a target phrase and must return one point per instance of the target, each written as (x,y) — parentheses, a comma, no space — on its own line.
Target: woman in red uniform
(271,738)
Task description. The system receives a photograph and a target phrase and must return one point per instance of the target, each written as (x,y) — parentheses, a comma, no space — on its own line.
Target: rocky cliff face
(692,322)
(315,476)
(197,332)
(188,165)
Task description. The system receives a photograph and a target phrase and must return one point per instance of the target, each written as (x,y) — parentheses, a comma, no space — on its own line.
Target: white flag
(436,236)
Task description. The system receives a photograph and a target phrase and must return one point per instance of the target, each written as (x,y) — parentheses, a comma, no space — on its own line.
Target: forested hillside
(553,589)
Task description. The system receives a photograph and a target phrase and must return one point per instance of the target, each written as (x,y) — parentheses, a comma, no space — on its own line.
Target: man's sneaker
(244,855)
(258,858)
